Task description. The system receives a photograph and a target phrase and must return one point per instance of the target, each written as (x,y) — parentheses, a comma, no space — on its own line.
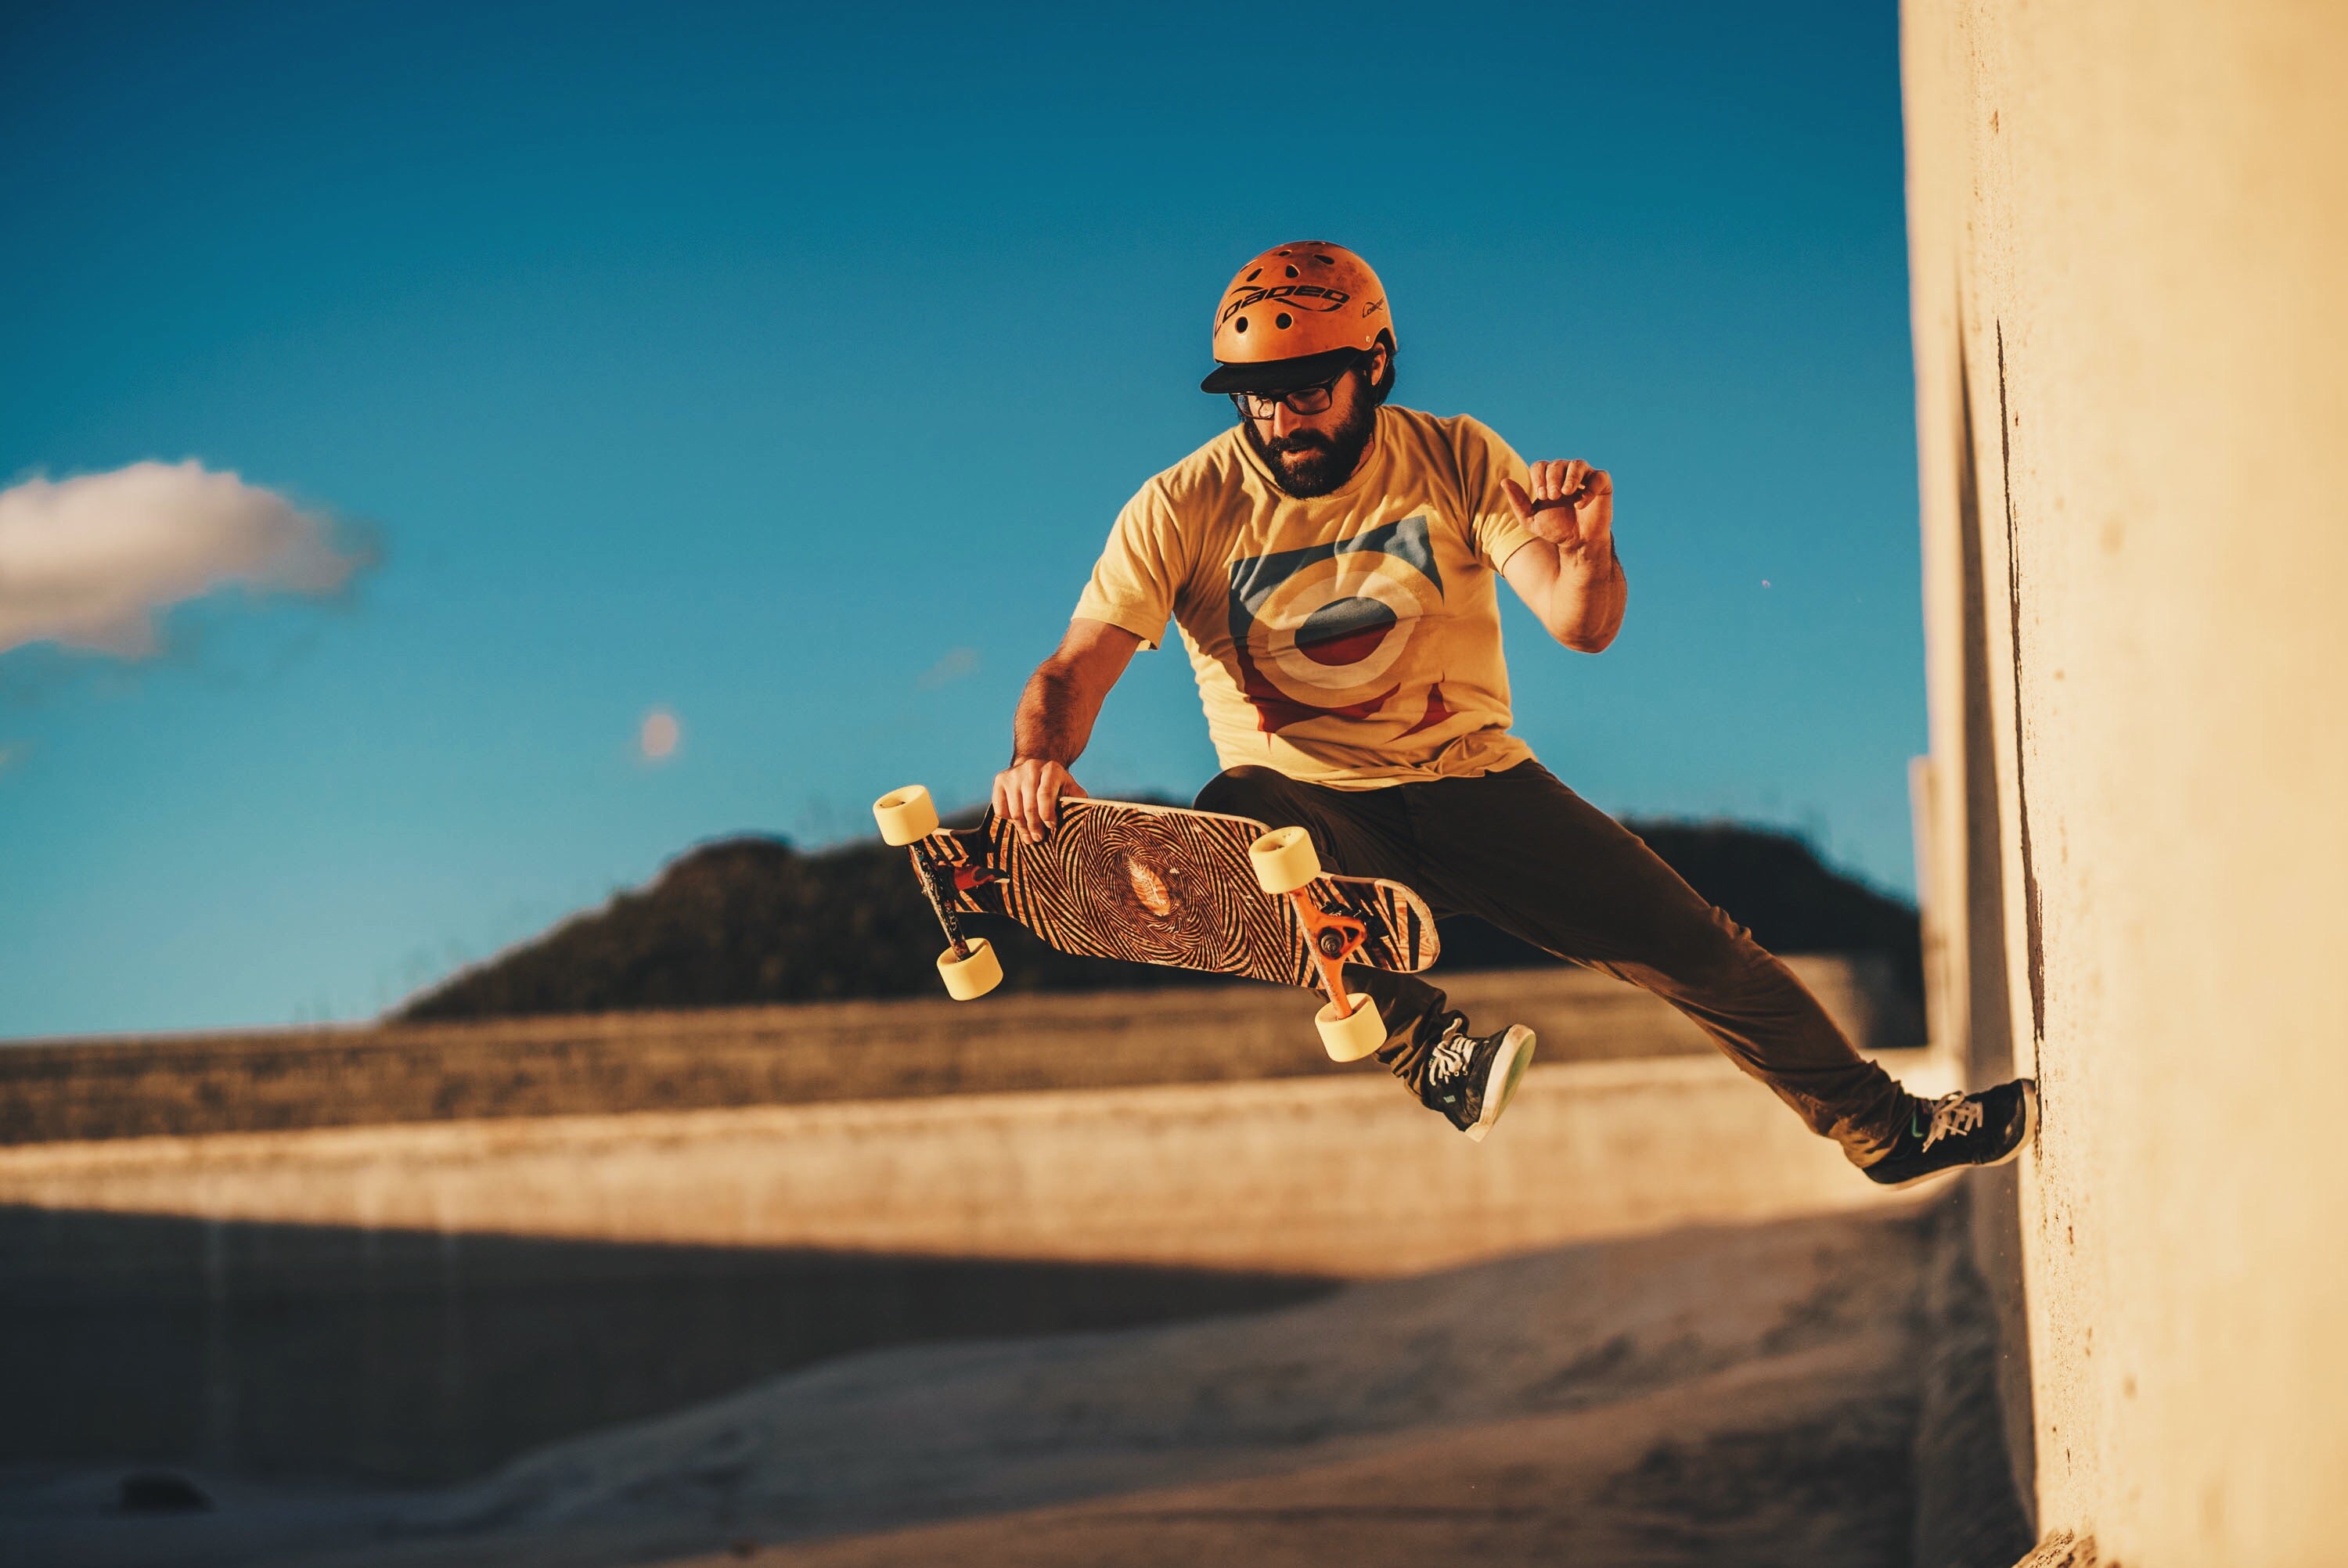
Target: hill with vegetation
(748,920)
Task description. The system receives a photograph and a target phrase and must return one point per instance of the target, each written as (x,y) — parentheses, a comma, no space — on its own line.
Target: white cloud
(656,739)
(957,663)
(89,561)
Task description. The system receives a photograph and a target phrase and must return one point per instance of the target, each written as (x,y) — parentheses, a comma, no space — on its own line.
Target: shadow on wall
(413,1358)
(1989,1038)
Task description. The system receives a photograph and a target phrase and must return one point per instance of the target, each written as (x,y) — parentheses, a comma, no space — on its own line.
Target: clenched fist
(1571,505)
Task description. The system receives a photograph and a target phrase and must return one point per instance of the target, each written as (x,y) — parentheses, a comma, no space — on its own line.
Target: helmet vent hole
(1291,271)
(1284,321)
(1239,325)
(1253,273)
(1326,261)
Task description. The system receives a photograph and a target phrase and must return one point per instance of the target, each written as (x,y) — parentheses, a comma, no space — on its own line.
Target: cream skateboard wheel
(1285,860)
(907,816)
(969,979)
(1355,1036)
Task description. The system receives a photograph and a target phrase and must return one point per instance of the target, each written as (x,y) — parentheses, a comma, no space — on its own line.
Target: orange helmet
(1297,314)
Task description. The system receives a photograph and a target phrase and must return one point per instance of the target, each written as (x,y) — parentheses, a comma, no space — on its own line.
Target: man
(1331,563)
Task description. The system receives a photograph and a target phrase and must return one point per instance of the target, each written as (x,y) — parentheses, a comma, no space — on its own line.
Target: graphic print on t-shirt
(1318,631)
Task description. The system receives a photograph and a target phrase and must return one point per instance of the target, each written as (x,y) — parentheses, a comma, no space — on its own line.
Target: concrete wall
(281,1079)
(2129,256)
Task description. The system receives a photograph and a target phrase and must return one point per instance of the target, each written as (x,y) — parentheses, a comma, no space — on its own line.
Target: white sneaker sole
(1508,1064)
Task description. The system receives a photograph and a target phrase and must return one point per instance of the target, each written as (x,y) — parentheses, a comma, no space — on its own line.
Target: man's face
(1313,454)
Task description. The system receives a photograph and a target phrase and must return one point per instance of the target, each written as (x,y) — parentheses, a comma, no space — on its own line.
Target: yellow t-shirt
(1350,639)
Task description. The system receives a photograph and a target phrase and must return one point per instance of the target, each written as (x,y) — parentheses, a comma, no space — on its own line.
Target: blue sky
(782,369)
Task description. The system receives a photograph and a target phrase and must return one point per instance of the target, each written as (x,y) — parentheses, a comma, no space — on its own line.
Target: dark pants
(1520,850)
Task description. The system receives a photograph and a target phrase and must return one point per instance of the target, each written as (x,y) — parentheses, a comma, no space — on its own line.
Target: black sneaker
(1988,1127)
(1471,1078)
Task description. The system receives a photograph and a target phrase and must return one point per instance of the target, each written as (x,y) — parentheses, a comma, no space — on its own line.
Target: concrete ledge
(287,1079)
(421,1300)
(1339,1176)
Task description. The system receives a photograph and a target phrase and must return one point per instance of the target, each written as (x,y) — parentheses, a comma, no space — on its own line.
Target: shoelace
(1452,1053)
(1953,1116)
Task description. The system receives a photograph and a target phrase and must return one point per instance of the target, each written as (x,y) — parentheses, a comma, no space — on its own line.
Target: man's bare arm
(1055,720)
(1568,575)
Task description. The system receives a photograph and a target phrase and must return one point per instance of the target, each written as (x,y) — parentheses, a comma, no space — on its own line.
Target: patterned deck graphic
(1158,884)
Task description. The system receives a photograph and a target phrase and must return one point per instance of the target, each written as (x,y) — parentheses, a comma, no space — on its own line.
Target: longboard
(1163,885)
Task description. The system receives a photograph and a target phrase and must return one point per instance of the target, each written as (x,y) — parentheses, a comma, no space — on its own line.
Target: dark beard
(1306,463)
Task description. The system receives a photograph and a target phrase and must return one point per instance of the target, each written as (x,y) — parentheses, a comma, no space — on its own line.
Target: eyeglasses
(1299,399)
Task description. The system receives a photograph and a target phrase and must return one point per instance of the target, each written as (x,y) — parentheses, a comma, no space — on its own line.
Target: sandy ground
(1728,1396)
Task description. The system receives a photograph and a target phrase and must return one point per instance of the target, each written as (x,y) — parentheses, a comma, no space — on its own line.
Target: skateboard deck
(1163,885)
